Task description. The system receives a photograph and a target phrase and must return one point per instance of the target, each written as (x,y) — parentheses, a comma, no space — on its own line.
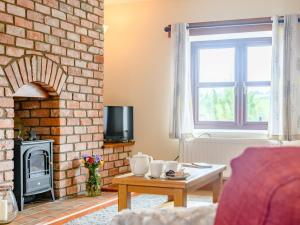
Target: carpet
(104,216)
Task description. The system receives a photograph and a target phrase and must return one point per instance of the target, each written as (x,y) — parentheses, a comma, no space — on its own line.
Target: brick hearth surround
(57,44)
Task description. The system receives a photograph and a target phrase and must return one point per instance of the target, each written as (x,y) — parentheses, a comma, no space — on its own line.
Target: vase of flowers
(93,184)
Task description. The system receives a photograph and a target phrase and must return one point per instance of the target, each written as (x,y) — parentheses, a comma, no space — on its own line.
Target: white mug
(171,165)
(156,168)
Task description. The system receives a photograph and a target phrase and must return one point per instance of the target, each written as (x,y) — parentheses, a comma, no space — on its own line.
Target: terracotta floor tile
(44,212)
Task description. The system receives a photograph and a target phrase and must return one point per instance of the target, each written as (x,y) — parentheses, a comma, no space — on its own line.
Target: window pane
(258,101)
(216,104)
(216,65)
(259,63)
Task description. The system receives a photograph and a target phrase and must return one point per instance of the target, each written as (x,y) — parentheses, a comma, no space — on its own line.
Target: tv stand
(108,144)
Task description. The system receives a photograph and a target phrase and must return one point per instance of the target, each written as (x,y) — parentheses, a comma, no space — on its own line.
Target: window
(231,81)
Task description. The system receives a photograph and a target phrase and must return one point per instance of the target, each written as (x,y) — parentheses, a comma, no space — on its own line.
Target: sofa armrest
(202,215)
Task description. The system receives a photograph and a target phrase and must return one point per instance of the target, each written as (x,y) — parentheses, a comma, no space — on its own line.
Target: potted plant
(93,184)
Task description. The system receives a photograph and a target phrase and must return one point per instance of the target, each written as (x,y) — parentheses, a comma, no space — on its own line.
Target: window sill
(231,134)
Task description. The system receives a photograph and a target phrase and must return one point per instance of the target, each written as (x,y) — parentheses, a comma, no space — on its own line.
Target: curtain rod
(243,22)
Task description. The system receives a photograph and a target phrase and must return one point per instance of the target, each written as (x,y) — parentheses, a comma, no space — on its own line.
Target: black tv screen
(118,123)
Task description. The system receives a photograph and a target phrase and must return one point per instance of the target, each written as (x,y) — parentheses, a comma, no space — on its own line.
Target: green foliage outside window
(217,104)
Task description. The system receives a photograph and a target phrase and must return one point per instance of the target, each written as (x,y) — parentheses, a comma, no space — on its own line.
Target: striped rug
(104,216)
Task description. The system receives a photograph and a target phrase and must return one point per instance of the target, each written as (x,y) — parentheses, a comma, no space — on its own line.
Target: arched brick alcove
(36,84)
(36,69)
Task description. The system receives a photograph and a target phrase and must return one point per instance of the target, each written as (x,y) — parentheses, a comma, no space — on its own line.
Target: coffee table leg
(170,198)
(180,198)
(124,197)
(217,187)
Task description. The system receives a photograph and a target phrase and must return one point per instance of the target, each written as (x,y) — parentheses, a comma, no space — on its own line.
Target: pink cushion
(264,188)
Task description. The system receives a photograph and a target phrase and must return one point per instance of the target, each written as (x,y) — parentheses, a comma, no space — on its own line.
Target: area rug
(104,216)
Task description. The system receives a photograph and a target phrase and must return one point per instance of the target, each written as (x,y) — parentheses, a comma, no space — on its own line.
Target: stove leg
(52,195)
(20,203)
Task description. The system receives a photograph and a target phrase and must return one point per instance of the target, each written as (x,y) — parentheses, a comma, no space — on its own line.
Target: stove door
(37,170)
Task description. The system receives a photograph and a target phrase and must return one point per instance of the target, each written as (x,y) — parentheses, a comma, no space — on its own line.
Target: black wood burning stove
(33,172)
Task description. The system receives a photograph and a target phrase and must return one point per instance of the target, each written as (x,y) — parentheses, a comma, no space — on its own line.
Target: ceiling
(109,2)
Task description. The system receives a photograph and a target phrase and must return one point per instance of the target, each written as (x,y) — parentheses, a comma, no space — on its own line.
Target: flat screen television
(118,123)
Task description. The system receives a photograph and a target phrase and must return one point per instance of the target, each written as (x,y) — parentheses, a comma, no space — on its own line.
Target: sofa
(264,189)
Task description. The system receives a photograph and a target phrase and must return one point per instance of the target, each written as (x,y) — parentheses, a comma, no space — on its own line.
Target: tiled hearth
(62,211)
(51,82)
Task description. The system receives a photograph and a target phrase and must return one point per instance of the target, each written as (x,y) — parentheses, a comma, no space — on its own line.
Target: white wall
(137,55)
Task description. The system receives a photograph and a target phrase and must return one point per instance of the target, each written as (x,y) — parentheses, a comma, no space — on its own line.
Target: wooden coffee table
(175,189)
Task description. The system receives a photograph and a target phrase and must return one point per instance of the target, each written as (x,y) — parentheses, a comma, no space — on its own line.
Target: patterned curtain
(181,120)
(284,123)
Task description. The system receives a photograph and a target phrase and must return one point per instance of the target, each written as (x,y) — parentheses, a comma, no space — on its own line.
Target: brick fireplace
(52,50)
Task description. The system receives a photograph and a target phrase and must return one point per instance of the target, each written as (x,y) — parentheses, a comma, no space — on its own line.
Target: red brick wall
(68,33)
(40,115)
(115,161)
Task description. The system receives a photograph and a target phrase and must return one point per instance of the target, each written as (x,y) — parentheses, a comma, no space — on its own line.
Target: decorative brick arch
(36,69)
